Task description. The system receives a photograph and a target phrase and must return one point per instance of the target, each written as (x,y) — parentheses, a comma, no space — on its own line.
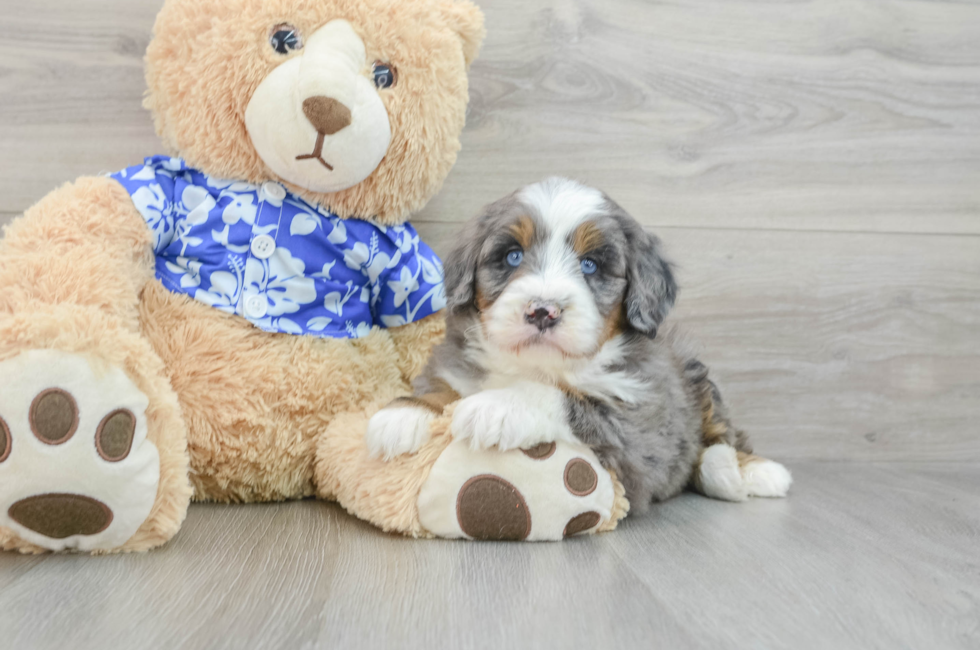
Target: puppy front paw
(499,418)
(397,430)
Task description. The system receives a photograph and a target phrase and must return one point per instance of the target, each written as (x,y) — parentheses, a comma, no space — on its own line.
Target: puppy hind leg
(717,473)
(726,468)
(763,477)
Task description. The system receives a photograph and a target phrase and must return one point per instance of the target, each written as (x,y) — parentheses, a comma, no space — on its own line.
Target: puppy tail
(726,468)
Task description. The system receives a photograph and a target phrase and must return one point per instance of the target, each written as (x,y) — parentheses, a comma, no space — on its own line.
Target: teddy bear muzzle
(317,120)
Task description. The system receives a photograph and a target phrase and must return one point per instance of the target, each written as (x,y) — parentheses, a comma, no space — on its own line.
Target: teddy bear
(219,323)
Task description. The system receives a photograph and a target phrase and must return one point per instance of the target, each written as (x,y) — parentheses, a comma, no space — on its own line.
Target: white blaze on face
(562,206)
(332,64)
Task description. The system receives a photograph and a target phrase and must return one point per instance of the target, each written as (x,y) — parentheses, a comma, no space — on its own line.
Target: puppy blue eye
(589,266)
(514,258)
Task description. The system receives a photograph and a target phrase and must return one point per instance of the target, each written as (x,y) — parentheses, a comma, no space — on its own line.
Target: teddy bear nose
(326,114)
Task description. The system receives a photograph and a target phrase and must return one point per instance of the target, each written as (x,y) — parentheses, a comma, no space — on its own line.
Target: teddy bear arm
(83,244)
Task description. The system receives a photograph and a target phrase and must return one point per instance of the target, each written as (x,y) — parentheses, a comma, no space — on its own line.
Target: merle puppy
(557,298)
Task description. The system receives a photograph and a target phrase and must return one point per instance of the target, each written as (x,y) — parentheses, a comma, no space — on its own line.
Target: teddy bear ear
(466,19)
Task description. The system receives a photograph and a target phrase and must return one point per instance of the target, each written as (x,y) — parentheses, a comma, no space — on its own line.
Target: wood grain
(873,556)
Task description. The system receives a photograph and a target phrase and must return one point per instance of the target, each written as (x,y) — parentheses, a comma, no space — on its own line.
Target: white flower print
(231,186)
(173,164)
(325,273)
(393,320)
(339,233)
(145,174)
(225,288)
(303,223)
(334,302)
(438,300)
(358,331)
(241,208)
(431,270)
(319,323)
(221,237)
(151,202)
(369,261)
(282,281)
(197,203)
(403,286)
(188,269)
(280,324)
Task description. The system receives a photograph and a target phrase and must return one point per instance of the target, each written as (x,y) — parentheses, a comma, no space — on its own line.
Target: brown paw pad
(490,508)
(61,515)
(4,440)
(580,479)
(544,451)
(54,416)
(581,523)
(114,437)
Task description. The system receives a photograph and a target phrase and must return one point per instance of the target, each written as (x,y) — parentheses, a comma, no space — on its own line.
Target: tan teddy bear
(219,323)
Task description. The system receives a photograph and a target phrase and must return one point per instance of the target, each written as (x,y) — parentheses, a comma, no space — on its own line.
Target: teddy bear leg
(447,489)
(92,444)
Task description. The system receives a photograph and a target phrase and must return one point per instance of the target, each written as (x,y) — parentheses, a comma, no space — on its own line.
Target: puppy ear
(460,269)
(466,19)
(651,289)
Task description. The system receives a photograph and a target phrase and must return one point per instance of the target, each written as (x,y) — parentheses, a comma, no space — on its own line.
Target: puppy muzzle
(543,315)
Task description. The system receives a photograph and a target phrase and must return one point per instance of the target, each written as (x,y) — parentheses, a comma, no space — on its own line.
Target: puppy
(556,300)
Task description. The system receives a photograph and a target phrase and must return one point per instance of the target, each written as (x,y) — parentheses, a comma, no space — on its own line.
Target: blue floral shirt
(283,264)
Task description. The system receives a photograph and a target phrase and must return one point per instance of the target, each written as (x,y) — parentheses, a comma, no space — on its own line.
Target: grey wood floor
(814,168)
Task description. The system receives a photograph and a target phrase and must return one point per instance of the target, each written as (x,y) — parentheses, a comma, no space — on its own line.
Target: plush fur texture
(557,298)
(238,414)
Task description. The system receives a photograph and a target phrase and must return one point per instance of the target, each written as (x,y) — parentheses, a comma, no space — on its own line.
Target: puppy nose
(326,114)
(542,315)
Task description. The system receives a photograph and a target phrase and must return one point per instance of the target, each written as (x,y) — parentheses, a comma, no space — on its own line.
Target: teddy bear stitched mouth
(317,152)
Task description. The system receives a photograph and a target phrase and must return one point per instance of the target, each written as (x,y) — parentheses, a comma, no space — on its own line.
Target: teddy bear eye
(385,75)
(285,39)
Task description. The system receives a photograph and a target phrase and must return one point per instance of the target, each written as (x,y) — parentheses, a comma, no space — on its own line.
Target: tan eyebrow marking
(523,231)
(587,237)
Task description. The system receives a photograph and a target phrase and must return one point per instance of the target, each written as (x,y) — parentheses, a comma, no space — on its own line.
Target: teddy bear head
(356,105)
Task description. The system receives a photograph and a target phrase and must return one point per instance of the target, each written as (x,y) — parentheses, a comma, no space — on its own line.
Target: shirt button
(263,247)
(257,306)
(272,190)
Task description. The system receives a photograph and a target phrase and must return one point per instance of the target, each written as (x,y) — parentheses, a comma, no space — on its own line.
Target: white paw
(501,419)
(720,477)
(766,478)
(76,469)
(397,430)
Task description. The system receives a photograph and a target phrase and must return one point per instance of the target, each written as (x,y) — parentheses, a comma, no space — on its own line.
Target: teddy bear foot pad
(76,469)
(548,492)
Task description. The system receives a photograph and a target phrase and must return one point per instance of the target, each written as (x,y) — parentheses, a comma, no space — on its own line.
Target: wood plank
(857,556)
(816,116)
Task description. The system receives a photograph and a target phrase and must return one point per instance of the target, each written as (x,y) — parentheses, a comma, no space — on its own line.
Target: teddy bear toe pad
(548,492)
(76,468)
